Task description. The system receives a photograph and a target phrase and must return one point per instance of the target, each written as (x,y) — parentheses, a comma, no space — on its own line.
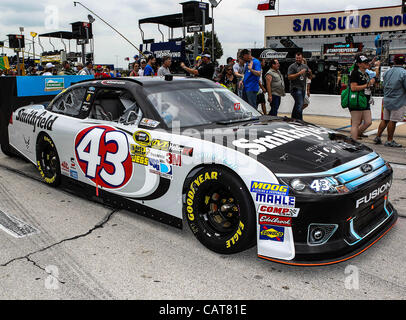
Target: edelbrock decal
(37,120)
(374,194)
(275,221)
(279,137)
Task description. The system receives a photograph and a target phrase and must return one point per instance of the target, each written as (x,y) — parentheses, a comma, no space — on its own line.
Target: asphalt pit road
(15,227)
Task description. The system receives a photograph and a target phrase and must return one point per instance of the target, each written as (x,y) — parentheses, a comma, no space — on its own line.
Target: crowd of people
(253,79)
(66,69)
(260,81)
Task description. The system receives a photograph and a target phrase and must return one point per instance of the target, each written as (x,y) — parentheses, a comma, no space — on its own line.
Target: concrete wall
(327,105)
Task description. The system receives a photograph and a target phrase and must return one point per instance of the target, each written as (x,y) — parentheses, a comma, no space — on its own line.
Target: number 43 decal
(321,185)
(104,157)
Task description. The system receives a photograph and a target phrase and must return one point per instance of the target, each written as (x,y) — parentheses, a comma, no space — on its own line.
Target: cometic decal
(104,157)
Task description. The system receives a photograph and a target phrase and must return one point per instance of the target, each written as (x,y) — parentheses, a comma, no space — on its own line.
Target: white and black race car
(177,147)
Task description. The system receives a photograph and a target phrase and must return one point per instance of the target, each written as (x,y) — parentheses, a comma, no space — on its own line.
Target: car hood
(293,147)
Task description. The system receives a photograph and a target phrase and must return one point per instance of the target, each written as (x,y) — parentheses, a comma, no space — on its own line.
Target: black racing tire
(6,148)
(220,211)
(48,163)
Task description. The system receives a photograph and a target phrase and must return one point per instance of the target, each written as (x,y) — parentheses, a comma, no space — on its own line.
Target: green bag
(353,99)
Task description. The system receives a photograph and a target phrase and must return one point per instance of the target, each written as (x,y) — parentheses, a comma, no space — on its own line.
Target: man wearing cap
(394,101)
(205,70)
(48,69)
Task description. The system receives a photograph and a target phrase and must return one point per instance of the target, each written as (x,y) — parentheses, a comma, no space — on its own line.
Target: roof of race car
(151,82)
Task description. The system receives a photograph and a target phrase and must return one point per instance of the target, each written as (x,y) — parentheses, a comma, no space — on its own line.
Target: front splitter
(366,244)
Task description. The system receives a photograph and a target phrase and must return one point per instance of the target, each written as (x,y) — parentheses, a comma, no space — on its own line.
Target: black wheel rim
(218,210)
(49,161)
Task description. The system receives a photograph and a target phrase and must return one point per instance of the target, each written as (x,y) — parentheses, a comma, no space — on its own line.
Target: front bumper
(354,229)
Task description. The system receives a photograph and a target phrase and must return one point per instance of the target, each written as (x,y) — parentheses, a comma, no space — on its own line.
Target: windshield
(201,106)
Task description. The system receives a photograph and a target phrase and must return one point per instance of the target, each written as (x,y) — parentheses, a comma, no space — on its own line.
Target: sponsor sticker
(174,159)
(160,145)
(138,150)
(272,233)
(112,82)
(74,174)
(140,160)
(161,169)
(65,167)
(149,123)
(37,119)
(269,188)
(275,220)
(143,138)
(281,201)
(186,151)
(54,84)
(278,211)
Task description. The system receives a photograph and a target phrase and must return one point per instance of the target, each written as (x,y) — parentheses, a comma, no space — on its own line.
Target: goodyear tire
(48,162)
(220,211)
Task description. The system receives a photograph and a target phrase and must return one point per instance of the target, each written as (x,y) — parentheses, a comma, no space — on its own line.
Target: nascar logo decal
(272,233)
(103,155)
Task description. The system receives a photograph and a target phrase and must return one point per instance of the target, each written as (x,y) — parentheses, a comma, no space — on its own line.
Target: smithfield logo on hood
(279,137)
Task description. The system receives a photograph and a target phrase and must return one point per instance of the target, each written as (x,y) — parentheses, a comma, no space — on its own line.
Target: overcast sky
(237,22)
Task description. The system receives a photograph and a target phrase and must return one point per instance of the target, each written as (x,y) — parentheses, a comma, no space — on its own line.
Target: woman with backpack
(360,84)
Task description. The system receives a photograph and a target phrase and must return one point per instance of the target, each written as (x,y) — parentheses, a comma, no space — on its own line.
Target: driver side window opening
(115,105)
(69,103)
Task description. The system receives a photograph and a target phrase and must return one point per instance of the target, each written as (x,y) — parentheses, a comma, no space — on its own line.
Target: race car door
(110,151)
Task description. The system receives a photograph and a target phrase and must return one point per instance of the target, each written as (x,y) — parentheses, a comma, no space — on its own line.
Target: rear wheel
(6,148)
(48,161)
(220,211)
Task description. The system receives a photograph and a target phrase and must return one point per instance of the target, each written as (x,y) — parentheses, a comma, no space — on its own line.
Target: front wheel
(220,211)
(48,161)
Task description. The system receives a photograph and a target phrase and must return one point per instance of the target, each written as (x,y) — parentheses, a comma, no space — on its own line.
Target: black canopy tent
(62,35)
(172,21)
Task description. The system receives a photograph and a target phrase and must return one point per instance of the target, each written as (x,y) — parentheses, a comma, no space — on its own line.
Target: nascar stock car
(171,147)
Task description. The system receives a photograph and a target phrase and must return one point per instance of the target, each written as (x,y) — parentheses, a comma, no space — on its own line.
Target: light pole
(33,35)
(77,2)
(214,4)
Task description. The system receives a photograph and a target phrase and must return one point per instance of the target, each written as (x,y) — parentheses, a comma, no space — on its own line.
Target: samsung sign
(345,23)
(333,23)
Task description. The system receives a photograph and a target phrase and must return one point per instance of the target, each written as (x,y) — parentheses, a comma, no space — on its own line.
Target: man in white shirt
(48,69)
